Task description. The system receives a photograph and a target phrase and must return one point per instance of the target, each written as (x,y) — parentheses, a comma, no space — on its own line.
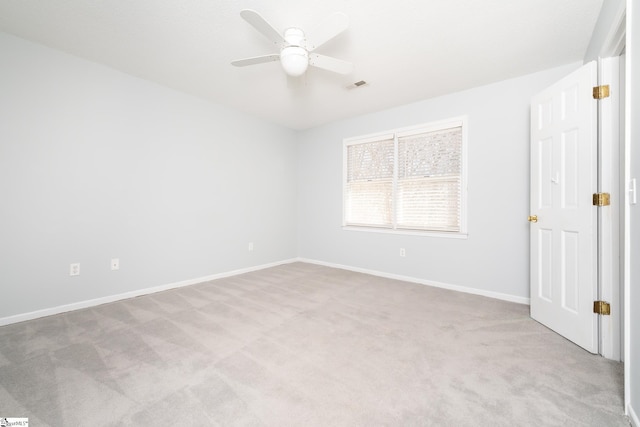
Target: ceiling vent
(357,84)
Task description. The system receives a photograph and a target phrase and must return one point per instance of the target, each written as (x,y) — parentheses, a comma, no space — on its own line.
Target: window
(407,180)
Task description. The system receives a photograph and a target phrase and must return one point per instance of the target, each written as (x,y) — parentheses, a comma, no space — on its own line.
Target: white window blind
(370,183)
(409,180)
(429,170)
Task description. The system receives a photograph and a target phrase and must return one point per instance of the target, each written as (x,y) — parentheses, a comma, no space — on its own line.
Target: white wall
(96,164)
(633,92)
(495,257)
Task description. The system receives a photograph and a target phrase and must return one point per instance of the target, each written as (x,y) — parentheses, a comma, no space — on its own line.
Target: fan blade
(331,64)
(256,60)
(260,24)
(330,27)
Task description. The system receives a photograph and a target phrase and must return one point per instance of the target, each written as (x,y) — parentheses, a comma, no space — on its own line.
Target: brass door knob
(533,218)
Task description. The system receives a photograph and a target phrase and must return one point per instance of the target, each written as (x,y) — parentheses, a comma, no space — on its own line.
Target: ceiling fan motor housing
(294,37)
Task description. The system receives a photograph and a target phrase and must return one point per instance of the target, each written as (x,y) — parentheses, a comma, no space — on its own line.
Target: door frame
(609,241)
(614,46)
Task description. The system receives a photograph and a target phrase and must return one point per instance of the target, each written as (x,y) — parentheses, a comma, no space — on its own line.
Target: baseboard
(138,292)
(112,298)
(475,291)
(633,416)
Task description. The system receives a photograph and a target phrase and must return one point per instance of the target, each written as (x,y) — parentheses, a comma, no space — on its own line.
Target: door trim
(615,40)
(609,262)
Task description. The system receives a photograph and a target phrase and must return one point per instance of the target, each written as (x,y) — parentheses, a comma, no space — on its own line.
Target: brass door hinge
(600,92)
(601,307)
(601,199)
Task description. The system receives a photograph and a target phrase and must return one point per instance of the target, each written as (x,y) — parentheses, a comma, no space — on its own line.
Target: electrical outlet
(74,269)
(402,252)
(250,246)
(115,264)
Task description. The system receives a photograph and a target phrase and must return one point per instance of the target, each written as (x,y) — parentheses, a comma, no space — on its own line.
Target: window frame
(460,121)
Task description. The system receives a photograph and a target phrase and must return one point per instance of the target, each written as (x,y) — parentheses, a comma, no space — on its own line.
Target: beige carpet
(303,345)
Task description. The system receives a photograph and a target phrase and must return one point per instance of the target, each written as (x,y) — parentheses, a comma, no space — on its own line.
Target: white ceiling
(407,50)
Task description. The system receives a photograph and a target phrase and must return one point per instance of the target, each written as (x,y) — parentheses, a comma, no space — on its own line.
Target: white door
(563,180)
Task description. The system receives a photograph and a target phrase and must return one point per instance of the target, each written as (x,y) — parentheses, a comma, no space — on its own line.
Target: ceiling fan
(296,50)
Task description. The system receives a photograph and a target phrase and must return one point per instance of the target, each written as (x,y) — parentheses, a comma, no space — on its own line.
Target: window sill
(447,235)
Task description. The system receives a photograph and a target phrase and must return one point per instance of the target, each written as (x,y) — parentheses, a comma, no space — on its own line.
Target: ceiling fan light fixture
(294,60)
(297,54)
